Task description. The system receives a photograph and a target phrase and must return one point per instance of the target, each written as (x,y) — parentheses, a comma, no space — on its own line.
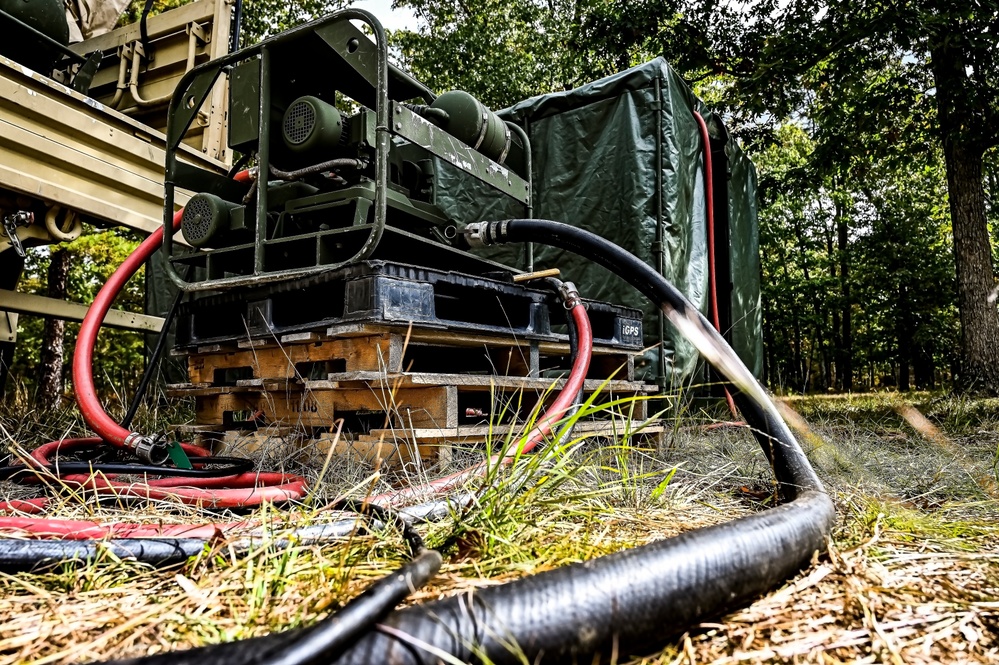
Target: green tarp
(622,157)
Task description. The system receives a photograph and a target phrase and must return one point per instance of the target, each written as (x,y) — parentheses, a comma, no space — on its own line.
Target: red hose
(238,491)
(247,489)
(541,429)
(709,195)
(83,360)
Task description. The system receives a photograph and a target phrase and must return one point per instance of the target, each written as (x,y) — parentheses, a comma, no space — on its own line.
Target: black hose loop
(621,603)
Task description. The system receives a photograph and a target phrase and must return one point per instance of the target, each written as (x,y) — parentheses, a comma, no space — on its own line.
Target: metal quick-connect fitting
(570,295)
(147,449)
(475,234)
(483,234)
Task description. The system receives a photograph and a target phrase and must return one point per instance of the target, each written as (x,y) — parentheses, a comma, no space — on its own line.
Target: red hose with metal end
(83,360)
(235,491)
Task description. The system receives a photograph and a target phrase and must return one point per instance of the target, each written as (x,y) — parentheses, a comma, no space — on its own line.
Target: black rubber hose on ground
(328,639)
(621,603)
(221,467)
(16,555)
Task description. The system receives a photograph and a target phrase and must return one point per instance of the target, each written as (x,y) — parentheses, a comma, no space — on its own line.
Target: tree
(501,51)
(91,258)
(50,380)
(952,43)
(263,18)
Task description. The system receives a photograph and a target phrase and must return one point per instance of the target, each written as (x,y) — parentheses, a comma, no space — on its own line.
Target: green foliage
(264,18)
(499,51)
(94,257)
(900,281)
(134,11)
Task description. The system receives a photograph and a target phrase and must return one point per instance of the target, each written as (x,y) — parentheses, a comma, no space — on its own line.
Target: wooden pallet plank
(377,354)
(436,336)
(463,382)
(372,353)
(481,382)
(479,433)
(417,407)
(387,452)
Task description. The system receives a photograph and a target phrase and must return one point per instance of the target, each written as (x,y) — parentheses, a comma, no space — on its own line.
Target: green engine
(344,151)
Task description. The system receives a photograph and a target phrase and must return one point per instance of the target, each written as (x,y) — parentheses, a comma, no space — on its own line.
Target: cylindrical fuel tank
(471,122)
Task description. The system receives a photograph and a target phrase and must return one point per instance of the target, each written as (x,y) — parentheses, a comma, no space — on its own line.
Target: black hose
(236,26)
(221,467)
(329,165)
(144,31)
(154,357)
(16,554)
(386,515)
(328,639)
(623,602)
(244,159)
(791,467)
(331,637)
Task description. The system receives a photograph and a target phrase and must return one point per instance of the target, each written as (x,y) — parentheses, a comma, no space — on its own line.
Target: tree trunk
(844,364)
(923,368)
(903,334)
(972,246)
(835,370)
(50,385)
(975,276)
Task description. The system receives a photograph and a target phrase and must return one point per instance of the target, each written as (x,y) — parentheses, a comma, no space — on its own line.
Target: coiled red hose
(238,491)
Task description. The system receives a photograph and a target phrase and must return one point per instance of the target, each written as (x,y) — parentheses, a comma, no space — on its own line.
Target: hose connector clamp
(483,234)
(147,449)
(570,295)
(475,234)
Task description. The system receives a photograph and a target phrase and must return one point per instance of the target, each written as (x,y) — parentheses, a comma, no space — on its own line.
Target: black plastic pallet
(380,292)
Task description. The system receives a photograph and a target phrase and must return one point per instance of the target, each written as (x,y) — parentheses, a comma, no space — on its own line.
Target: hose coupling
(148,449)
(483,234)
(570,295)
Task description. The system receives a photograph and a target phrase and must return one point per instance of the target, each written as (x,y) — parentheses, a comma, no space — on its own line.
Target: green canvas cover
(746,334)
(622,157)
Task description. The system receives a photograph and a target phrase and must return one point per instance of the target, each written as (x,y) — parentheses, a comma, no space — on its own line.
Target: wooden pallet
(366,347)
(368,376)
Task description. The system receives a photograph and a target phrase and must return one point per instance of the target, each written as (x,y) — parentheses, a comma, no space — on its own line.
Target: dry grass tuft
(907,594)
(912,575)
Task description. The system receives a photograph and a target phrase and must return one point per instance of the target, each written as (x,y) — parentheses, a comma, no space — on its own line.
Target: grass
(912,575)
